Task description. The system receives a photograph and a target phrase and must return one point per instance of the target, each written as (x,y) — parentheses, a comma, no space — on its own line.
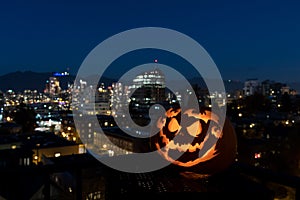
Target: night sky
(254,39)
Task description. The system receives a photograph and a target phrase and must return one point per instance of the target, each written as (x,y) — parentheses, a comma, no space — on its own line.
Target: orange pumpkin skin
(191,141)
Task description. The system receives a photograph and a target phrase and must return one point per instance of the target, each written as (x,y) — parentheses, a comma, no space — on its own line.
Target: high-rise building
(266,88)
(250,87)
(103,100)
(53,87)
(149,89)
(119,98)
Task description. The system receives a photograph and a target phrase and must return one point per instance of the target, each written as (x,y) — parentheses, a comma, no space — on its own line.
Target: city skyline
(40,132)
(245,40)
(125,99)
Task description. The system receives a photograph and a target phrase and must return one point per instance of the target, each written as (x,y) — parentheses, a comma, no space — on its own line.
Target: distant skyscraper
(266,88)
(53,87)
(250,87)
(149,89)
(103,100)
(119,98)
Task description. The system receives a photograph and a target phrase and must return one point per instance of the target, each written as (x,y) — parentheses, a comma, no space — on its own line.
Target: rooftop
(90,177)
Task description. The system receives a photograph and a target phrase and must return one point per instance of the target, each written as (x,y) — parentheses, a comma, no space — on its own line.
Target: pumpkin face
(185,139)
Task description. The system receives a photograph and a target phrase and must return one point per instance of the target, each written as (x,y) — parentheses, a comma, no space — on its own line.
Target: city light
(9,119)
(57,155)
(53,114)
(257,155)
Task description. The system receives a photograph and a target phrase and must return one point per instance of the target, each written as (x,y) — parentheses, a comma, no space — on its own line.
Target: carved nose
(183,137)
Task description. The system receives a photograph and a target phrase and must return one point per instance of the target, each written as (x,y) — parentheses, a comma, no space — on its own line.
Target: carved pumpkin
(191,141)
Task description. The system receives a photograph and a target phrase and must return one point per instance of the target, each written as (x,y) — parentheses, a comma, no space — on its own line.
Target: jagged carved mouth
(184,147)
(179,146)
(189,147)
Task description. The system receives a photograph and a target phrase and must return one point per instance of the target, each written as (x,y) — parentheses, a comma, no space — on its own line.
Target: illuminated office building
(53,87)
(149,89)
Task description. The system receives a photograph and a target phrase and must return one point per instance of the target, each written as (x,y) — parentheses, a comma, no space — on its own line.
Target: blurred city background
(42,155)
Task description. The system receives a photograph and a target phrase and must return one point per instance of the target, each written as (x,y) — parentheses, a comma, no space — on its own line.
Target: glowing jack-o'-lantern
(189,135)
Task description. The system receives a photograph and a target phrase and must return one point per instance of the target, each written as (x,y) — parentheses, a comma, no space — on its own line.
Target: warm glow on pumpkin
(173,125)
(194,129)
(192,138)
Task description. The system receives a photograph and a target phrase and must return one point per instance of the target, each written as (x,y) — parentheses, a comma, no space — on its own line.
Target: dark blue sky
(254,39)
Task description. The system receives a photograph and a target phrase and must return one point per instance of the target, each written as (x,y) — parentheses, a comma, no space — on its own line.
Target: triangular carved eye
(194,129)
(173,125)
